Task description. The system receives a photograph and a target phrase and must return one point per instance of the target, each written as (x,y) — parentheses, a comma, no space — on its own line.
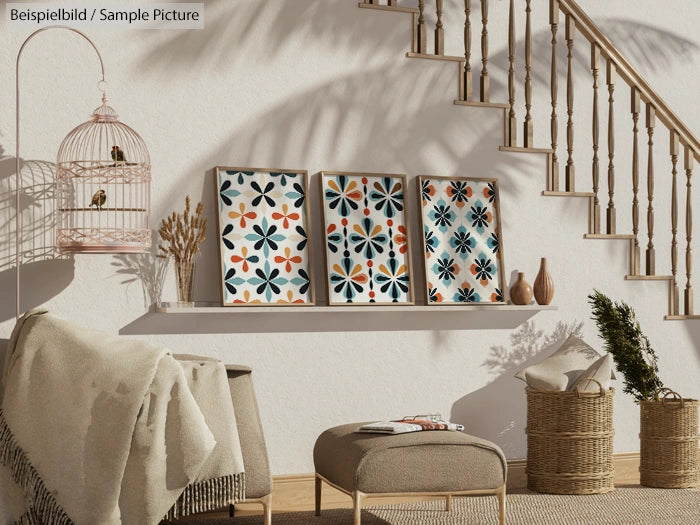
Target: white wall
(319,84)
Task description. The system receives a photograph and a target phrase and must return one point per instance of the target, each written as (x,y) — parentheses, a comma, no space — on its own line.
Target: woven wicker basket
(669,442)
(570,441)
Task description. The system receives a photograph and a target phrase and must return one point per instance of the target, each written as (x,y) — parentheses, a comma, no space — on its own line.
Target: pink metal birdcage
(103,187)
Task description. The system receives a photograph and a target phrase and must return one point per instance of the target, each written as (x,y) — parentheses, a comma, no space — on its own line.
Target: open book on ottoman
(411,424)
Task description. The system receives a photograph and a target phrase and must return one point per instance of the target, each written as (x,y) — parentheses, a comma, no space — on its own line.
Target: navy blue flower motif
(226,192)
(445,268)
(268,281)
(304,239)
(342,193)
(392,279)
(431,241)
(463,242)
(335,238)
(466,294)
(282,176)
(347,279)
(460,192)
(298,194)
(483,270)
(497,296)
(263,193)
(490,192)
(227,242)
(480,216)
(368,237)
(302,281)
(433,295)
(493,243)
(265,237)
(442,215)
(388,196)
(241,175)
(231,281)
(427,191)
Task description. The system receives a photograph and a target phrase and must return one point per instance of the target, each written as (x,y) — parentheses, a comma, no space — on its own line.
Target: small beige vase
(544,286)
(521,292)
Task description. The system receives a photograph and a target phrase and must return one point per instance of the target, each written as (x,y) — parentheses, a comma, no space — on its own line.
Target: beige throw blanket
(102,429)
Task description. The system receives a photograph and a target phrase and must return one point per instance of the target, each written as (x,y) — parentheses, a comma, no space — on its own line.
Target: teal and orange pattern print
(263,225)
(461,240)
(367,257)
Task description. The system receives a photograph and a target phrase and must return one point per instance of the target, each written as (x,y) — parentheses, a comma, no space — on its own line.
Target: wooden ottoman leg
(448,503)
(502,505)
(357,506)
(319,483)
(267,508)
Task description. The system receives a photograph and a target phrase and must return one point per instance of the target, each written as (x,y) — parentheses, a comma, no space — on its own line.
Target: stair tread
(681,317)
(516,149)
(649,277)
(435,57)
(567,193)
(389,8)
(608,236)
(475,103)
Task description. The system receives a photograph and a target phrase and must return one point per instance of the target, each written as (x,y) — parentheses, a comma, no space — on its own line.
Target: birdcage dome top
(103,142)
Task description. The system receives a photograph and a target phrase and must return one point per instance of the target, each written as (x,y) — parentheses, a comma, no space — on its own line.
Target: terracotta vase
(544,286)
(521,292)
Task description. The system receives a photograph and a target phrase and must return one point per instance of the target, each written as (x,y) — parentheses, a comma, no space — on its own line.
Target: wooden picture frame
(461,238)
(367,242)
(264,239)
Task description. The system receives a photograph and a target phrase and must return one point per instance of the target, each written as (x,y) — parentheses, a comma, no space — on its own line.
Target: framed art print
(462,245)
(263,221)
(366,236)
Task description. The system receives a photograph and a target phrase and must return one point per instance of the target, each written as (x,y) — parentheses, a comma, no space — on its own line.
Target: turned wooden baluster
(675,150)
(651,252)
(527,125)
(467,80)
(595,67)
(570,30)
(484,80)
(512,121)
(688,164)
(439,31)
(610,215)
(422,33)
(636,255)
(554,126)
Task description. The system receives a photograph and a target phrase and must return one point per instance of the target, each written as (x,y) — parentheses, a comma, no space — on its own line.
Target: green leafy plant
(633,355)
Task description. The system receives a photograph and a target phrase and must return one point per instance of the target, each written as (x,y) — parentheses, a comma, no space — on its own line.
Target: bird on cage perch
(117,154)
(98,199)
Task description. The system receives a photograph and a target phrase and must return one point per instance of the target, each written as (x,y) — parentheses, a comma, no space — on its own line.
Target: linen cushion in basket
(600,370)
(563,368)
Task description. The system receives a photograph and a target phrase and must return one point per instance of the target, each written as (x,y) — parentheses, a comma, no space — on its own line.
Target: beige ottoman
(433,463)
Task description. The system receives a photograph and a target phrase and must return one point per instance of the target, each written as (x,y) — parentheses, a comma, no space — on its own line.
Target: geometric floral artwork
(367,242)
(462,244)
(263,232)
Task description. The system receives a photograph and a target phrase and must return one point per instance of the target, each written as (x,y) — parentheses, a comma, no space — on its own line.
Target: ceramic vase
(521,291)
(544,286)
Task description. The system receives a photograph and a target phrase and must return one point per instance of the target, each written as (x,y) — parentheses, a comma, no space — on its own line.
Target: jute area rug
(623,506)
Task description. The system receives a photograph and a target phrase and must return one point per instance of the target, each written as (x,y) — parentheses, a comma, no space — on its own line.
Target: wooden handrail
(593,34)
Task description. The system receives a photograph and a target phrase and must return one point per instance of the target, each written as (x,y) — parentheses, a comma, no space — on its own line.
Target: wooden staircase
(683,144)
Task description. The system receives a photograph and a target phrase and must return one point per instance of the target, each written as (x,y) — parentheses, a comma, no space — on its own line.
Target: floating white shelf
(201,308)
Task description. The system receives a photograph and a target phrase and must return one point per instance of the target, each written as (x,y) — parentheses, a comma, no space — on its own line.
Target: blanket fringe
(208,495)
(43,509)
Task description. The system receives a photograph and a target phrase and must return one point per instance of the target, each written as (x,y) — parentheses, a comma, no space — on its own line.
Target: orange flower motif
(244,258)
(401,239)
(286,216)
(296,259)
(242,215)
(290,299)
(247,299)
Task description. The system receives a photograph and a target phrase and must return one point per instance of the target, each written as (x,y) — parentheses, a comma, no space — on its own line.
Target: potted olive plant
(668,423)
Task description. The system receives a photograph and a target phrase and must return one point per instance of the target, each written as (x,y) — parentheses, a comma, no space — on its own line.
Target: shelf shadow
(341,321)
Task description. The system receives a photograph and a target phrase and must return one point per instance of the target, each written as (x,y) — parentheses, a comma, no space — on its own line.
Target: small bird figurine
(98,199)
(117,154)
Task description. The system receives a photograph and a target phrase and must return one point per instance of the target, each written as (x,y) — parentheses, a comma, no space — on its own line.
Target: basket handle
(673,393)
(602,390)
